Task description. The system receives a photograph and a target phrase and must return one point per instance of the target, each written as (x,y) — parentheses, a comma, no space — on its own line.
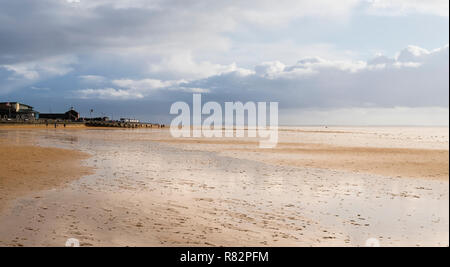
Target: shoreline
(41,125)
(74,124)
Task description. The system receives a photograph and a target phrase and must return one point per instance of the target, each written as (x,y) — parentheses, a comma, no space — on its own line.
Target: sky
(347,62)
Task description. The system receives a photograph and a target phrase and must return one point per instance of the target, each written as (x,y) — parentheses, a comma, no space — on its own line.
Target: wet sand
(394,162)
(28,168)
(151,190)
(41,126)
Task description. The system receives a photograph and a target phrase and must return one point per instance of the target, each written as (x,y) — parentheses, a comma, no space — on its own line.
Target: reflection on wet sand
(150,190)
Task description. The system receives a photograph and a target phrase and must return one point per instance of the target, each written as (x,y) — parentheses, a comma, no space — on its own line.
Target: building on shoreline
(127,120)
(96,119)
(16,110)
(70,115)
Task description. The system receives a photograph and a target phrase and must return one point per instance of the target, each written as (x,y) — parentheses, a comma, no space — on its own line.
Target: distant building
(70,115)
(129,120)
(15,110)
(96,119)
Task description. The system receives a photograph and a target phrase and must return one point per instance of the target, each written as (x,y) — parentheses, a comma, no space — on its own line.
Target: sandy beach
(26,169)
(336,186)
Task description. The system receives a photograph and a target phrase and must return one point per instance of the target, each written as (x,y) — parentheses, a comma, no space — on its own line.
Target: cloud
(53,27)
(302,53)
(415,78)
(126,89)
(108,94)
(402,7)
(269,68)
(168,40)
(35,88)
(27,73)
(34,70)
(142,85)
(184,65)
(167,33)
(92,79)
(136,89)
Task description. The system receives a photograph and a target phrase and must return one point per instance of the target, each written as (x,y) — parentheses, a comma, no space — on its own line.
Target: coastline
(41,126)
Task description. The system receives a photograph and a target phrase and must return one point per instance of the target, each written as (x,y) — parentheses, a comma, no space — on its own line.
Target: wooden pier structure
(119,124)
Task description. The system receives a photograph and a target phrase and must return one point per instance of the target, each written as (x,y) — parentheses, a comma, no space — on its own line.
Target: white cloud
(22,71)
(108,94)
(191,90)
(402,7)
(269,68)
(144,86)
(313,64)
(35,88)
(128,89)
(412,54)
(418,80)
(266,12)
(416,77)
(183,65)
(92,79)
(24,74)
(48,67)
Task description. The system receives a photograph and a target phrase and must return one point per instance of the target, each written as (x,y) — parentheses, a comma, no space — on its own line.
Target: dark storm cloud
(31,29)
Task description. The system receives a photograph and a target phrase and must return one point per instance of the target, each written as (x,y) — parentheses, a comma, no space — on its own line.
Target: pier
(119,124)
(71,124)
